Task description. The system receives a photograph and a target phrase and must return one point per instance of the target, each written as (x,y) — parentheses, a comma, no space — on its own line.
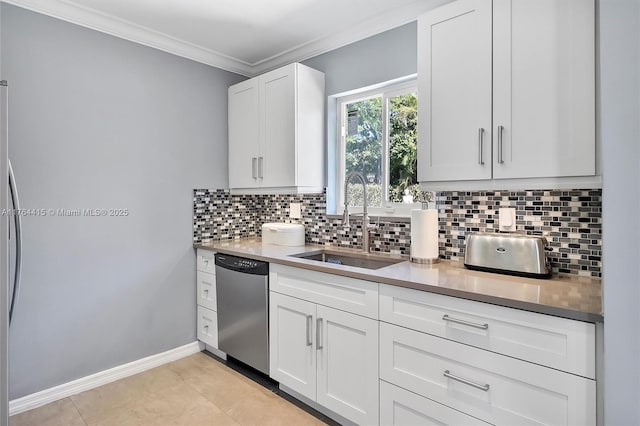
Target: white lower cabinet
(347,363)
(399,407)
(292,353)
(494,388)
(207,326)
(206,288)
(327,355)
(207,306)
(205,261)
(559,343)
(377,354)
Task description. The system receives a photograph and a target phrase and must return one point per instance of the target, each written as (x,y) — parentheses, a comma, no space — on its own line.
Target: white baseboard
(64,390)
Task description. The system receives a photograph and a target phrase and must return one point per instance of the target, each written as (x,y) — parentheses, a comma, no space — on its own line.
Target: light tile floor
(193,391)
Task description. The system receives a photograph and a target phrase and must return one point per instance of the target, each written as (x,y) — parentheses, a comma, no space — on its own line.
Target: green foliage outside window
(363,150)
(403,147)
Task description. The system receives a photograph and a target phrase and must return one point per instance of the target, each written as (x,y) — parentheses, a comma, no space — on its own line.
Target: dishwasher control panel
(241,264)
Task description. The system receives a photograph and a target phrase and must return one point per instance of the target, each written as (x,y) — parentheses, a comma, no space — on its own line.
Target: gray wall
(383,57)
(620,115)
(376,59)
(99,122)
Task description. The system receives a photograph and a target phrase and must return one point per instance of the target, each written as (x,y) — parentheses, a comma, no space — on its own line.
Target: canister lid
(283,227)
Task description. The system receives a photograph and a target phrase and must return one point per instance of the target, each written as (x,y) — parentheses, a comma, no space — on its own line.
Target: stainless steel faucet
(365,216)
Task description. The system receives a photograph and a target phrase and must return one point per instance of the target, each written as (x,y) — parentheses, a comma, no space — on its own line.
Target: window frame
(386,91)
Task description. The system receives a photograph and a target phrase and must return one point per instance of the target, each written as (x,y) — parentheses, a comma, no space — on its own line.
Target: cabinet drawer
(205,261)
(347,294)
(399,407)
(207,326)
(492,387)
(559,343)
(206,288)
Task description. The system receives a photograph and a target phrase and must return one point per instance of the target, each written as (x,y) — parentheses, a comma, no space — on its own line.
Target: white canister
(283,234)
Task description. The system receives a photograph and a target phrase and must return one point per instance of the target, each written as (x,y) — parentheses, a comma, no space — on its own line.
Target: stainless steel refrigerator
(10,251)
(4,261)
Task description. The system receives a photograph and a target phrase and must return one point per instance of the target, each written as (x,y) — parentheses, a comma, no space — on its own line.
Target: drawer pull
(465,381)
(484,326)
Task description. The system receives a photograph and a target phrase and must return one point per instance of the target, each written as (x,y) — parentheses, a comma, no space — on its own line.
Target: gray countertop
(578,298)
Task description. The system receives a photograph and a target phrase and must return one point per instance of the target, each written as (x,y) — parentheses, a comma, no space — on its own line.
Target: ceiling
(243,36)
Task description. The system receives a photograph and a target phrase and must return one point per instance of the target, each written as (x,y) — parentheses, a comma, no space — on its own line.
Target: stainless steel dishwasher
(242,290)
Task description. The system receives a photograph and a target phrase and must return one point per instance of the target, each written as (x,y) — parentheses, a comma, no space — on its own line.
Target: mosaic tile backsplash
(570,219)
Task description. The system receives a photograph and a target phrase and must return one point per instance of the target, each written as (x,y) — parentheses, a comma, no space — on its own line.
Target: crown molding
(105,23)
(109,24)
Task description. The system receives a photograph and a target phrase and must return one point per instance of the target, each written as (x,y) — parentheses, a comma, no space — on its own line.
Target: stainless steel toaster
(514,254)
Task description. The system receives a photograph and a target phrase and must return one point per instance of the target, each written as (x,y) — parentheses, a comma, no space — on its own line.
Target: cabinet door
(277,162)
(244,134)
(454,84)
(292,351)
(348,364)
(544,88)
(399,407)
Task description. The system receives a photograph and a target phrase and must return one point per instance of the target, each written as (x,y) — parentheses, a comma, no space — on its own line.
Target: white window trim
(393,88)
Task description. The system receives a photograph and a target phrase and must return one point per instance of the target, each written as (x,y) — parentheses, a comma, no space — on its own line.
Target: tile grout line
(283,397)
(203,395)
(78,410)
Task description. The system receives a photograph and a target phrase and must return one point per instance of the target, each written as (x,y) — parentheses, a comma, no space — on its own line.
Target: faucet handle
(345,218)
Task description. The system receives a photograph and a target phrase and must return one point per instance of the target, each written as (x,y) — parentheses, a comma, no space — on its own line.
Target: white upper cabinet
(454,69)
(276,131)
(522,70)
(543,88)
(244,134)
(278,109)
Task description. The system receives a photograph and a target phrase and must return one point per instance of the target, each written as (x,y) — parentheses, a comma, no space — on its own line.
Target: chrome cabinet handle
(481,144)
(500,147)
(465,381)
(319,334)
(309,322)
(464,322)
(254,167)
(261,167)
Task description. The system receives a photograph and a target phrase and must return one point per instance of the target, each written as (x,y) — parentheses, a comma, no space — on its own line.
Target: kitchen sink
(358,260)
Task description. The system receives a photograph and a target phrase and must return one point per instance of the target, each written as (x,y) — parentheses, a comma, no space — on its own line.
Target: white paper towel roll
(424,234)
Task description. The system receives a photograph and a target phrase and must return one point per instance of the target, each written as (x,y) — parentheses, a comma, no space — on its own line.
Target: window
(377,137)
